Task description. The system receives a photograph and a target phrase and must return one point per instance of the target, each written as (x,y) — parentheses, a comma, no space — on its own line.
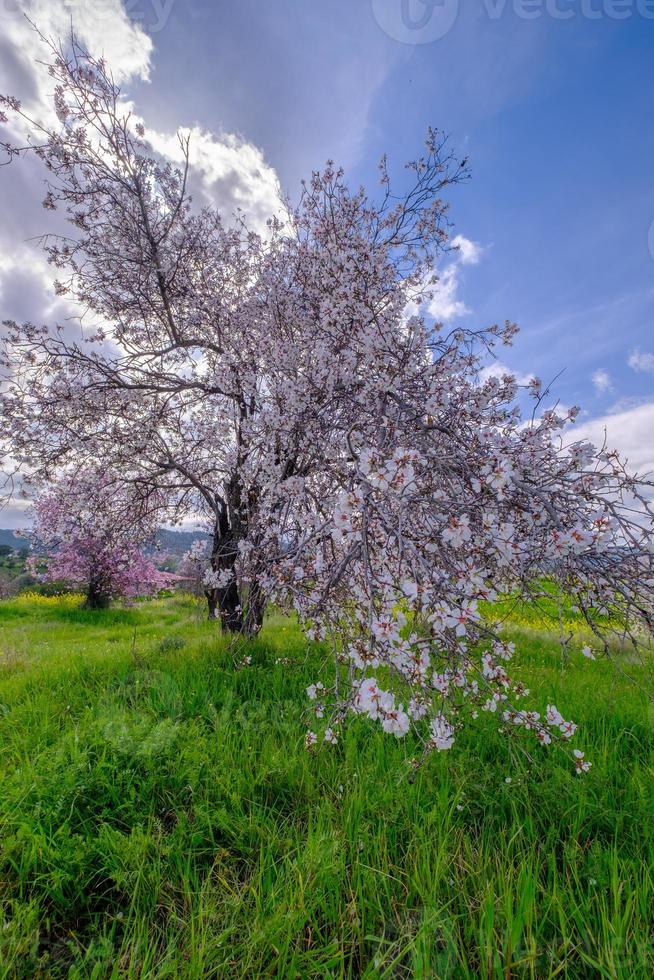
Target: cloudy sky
(550,99)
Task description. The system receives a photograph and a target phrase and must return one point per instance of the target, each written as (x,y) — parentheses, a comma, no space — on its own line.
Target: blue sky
(556,115)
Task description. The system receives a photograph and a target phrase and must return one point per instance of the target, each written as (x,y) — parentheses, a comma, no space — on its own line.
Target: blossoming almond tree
(358,466)
(93,532)
(435,494)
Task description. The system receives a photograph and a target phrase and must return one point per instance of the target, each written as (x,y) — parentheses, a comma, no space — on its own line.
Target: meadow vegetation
(160,816)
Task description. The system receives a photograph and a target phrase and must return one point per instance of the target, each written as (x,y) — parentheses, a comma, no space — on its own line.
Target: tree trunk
(224,603)
(96,598)
(255,609)
(228,604)
(236,614)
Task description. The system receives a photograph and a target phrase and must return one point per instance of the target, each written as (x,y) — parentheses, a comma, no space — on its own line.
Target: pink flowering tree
(92,530)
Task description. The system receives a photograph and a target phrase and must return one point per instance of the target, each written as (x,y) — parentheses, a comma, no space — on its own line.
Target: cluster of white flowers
(457,531)
(346,521)
(556,720)
(572,542)
(395,472)
(442,733)
(380,705)
(197,551)
(496,475)
(218,578)
(412,602)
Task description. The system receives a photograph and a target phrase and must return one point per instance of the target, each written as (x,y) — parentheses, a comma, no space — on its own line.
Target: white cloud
(641,361)
(627,403)
(497,369)
(445,303)
(602,381)
(27,292)
(631,432)
(103,27)
(14,514)
(469,252)
(226,171)
(25,275)
(232,174)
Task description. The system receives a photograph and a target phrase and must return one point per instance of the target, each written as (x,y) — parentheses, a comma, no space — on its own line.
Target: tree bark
(254,610)
(236,613)
(96,598)
(229,604)
(224,603)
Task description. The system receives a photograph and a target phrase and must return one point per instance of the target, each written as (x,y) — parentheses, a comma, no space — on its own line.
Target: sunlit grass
(160,816)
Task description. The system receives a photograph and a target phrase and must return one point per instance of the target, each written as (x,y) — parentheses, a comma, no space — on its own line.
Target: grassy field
(160,817)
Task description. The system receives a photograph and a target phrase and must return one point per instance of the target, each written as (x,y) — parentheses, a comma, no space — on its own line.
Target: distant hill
(170,541)
(178,542)
(8,536)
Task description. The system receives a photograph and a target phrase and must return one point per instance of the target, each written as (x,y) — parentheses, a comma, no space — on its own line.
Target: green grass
(160,817)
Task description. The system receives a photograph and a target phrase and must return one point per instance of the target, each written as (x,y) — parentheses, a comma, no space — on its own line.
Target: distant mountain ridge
(170,541)
(178,542)
(8,536)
